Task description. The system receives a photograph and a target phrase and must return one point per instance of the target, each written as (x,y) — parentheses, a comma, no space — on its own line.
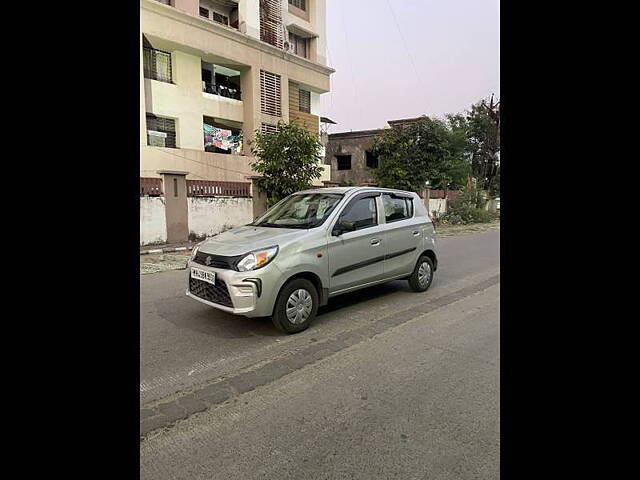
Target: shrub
(467,207)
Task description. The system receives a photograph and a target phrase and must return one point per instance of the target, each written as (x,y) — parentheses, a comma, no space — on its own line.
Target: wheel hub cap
(424,274)
(299,305)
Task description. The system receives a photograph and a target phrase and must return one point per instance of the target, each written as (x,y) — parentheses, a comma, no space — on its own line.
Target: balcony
(222,136)
(221,81)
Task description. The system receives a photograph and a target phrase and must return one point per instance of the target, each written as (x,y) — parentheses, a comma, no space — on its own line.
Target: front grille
(216,261)
(217,293)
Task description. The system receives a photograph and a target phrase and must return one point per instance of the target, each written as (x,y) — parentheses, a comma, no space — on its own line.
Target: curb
(165,250)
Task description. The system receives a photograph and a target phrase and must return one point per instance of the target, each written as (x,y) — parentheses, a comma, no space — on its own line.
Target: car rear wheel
(296,306)
(422,276)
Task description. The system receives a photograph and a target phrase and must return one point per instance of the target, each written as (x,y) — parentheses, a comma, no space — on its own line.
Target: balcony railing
(221,90)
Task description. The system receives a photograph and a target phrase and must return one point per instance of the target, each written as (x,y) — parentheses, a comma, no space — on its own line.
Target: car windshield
(302,210)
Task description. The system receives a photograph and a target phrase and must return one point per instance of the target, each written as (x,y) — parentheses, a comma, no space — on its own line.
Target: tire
(305,314)
(417,279)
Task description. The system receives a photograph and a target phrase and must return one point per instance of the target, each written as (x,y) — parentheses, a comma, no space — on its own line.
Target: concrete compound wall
(208,216)
(438,205)
(153,226)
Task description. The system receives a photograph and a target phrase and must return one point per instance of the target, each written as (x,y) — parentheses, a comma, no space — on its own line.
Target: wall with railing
(212,207)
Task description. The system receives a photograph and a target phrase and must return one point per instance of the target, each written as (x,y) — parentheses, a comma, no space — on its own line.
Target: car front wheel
(296,306)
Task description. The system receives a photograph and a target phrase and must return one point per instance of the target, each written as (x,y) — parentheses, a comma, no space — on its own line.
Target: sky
(440,57)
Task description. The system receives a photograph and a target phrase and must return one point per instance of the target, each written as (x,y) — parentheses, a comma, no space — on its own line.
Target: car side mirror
(342,227)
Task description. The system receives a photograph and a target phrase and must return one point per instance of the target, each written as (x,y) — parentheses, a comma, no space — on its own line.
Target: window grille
(299,45)
(344,162)
(305,101)
(301,4)
(271,29)
(270,94)
(266,128)
(220,18)
(372,160)
(161,132)
(157,64)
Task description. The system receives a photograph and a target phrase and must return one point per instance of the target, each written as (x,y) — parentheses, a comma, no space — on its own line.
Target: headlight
(257,259)
(194,252)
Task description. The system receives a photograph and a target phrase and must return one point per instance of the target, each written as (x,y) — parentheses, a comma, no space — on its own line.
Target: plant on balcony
(288,161)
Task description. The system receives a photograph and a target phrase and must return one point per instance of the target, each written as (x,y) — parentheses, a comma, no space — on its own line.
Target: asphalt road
(414,393)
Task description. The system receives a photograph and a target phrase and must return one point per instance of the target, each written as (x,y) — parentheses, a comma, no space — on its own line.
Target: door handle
(416,233)
(375,242)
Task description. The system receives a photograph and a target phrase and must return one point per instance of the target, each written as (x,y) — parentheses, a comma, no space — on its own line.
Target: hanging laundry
(220,138)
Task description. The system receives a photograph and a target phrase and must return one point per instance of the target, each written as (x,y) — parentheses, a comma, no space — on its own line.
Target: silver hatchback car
(311,246)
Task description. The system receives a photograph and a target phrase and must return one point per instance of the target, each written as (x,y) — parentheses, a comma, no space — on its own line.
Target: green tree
(412,155)
(457,167)
(288,160)
(484,143)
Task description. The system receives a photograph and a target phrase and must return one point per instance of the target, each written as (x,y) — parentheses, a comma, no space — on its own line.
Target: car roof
(345,190)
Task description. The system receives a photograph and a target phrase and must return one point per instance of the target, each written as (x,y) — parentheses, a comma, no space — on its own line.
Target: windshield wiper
(271,225)
(283,225)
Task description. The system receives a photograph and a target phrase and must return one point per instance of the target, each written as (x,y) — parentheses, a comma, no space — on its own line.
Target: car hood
(238,241)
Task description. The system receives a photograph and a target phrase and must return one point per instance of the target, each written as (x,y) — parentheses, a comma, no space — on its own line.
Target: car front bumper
(251,294)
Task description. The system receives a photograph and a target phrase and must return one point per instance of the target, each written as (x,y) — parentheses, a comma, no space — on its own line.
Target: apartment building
(212,72)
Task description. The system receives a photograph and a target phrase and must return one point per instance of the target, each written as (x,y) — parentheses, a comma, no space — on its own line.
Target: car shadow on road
(199,318)
(361,296)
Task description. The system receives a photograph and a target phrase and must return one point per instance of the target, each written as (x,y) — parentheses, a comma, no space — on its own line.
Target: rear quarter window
(396,208)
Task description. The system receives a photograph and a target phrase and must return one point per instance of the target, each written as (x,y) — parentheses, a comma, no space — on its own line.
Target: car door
(356,257)
(402,234)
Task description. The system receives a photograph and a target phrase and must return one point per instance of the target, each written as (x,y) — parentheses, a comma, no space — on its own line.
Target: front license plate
(209,277)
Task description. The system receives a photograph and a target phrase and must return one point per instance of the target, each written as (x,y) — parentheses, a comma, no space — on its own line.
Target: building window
(271,29)
(301,4)
(344,162)
(166,2)
(372,160)
(219,18)
(299,45)
(305,101)
(161,132)
(157,64)
(270,94)
(266,128)
(204,12)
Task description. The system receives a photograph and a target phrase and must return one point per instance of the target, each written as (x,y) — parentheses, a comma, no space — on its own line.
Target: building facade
(350,157)
(212,72)
(348,154)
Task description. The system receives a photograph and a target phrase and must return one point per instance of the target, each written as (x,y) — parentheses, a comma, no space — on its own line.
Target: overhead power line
(406,48)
